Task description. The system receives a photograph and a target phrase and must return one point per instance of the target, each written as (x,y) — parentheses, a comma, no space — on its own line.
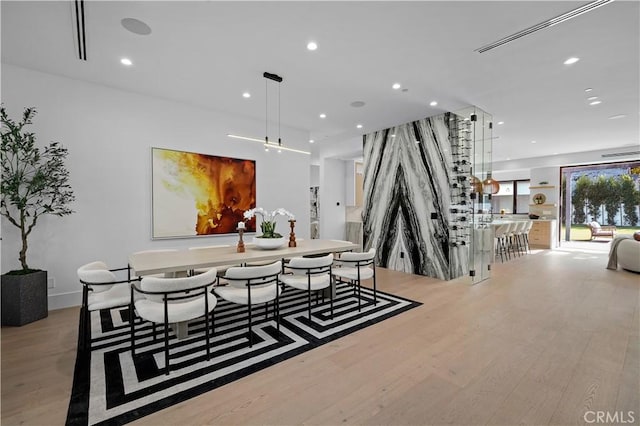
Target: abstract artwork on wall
(198,194)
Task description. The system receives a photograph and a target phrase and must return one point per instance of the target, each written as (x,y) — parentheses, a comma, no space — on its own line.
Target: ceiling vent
(79,33)
(620,154)
(545,24)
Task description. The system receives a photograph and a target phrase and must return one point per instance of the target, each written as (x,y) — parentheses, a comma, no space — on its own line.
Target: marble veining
(407,197)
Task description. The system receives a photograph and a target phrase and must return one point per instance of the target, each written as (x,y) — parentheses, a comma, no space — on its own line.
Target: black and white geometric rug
(114,388)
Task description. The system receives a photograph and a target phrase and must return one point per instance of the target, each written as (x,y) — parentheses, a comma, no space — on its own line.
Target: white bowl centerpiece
(269,239)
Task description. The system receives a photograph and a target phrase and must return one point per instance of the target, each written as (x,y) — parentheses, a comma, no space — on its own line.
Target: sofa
(625,253)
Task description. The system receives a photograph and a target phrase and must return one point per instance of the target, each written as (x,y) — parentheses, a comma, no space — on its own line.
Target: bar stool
(501,241)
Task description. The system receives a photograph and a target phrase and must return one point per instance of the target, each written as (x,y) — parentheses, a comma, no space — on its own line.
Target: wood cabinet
(543,234)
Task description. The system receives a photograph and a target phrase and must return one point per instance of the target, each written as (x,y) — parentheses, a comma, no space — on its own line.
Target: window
(512,198)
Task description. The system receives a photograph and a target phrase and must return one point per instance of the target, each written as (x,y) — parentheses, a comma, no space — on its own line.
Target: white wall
(551,175)
(332,199)
(502,175)
(350,182)
(315,176)
(622,153)
(109,134)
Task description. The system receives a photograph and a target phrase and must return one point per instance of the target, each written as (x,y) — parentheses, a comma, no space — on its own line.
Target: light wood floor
(551,336)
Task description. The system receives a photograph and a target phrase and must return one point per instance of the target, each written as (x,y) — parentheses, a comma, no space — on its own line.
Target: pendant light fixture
(490,185)
(267,144)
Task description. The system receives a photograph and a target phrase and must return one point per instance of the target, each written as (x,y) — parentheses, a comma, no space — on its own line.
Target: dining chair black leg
(250,323)
(132,325)
(277,309)
(86,332)
(166,336)
(309,297)
(85,321)
(331,294)
(206,323)
(359,293)
(375,289)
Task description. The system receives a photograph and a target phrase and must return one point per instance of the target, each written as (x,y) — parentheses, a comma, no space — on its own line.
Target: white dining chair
(354,268)
(253,285)
(310,274)
(174,300)
(101,289)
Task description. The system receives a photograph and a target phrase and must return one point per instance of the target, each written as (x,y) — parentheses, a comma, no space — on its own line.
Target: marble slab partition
(407,197)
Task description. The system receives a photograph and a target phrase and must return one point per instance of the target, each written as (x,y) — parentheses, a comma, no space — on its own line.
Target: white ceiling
(207,53)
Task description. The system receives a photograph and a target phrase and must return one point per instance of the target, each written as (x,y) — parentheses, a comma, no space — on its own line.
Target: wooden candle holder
(292,235)
(240,247)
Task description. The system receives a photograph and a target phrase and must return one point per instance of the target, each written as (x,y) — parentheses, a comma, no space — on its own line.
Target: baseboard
(65,300)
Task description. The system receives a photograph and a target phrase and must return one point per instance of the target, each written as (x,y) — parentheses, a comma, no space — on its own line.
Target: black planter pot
(24,298)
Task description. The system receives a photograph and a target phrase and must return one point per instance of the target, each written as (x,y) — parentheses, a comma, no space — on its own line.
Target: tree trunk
(23,251)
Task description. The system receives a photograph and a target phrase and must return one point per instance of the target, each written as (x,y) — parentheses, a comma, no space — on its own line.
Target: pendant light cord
(266,113)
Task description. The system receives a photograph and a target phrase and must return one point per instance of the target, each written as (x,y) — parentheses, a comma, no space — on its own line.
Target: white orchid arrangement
(268,225)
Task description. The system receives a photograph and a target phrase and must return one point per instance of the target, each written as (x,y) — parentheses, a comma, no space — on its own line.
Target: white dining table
(148,263)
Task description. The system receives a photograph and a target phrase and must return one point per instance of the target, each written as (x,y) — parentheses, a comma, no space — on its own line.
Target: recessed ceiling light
(126,61)
(500,123)
(615,117)
(311,141)
(417,141)
(592,98)
(246,95)
(396,86)
(136,26)
(571,61)
(595,102)
(312,45)
(393,135)
(588,89)
(359,126)
(323,115)
(533,142)
(433,103)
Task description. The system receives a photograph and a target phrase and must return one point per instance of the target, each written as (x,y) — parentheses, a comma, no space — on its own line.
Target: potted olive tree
(35,182)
